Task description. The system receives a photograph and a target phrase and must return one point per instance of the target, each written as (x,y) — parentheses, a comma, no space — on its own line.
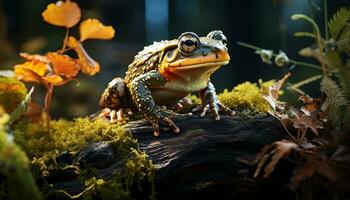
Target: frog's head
(195,57)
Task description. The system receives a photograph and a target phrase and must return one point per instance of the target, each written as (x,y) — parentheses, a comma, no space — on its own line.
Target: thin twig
(318,38)
(65,41)
(284,126)
(306,81)
(325,11)
(243,44)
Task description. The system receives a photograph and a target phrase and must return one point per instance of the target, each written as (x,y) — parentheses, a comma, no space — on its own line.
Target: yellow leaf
(28,75)
(72,42)
(54,79)
(94,29)
(62,13)
(87,64)
(36,67)
(63,65)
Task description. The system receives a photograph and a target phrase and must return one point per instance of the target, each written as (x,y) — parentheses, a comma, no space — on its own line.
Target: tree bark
(212,159)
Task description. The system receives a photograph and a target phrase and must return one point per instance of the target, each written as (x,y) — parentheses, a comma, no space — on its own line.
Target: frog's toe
(178,106)
(227,110)
(104,113)
(160,114)
(214,108)
(168,121)
(183,103)
(204,110)
(155,129)
(129,111)
(113,115)
(171,124)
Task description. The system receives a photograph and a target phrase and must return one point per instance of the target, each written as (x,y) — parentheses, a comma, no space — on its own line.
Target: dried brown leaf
(275,152)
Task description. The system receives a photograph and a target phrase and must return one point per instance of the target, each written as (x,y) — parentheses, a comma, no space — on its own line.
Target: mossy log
(208,159)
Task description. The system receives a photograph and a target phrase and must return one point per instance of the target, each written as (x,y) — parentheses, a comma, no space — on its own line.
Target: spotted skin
(140,90)
(163,74)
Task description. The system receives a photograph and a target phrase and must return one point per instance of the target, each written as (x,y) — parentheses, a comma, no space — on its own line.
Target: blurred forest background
(264,23)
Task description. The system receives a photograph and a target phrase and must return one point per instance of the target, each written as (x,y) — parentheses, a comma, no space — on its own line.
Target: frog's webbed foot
(114,115)
(211,102)
(141,94)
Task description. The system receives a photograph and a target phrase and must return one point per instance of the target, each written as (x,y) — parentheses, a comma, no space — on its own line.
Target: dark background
(264,23)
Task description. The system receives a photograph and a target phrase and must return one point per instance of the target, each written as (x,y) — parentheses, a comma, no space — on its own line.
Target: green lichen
(12,92)
(44,146)
(247,95)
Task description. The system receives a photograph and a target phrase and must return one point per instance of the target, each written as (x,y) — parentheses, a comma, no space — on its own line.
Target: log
(208,159)
(212,159)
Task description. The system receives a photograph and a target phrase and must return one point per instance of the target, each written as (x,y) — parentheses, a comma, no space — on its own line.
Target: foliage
(275,151)
(58,68)
(15,165)
(43,147)
(12,92)
(335,96)
(316,130)
(247,95)
(338,22)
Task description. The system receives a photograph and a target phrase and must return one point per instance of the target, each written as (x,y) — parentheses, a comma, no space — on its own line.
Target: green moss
(44,146)
(12,92)
(247,95)
(15,166)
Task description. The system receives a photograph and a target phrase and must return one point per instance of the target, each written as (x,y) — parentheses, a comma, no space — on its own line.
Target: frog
(163,74)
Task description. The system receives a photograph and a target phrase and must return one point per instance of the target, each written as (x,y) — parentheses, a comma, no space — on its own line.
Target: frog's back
(148,59)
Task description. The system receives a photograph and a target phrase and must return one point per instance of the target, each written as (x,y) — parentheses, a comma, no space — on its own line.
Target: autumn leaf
(34,57)
(275,152)
(62,13)
(87,64)
(54,79)
(94,29)
(31,71)
(63,65)
(273,94)
(311,105)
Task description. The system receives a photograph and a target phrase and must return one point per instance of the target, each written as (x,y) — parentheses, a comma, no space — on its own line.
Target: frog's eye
(188,43)
(218,35)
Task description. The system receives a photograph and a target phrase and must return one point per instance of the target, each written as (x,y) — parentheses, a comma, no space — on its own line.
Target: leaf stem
(65,41)
(317,39)
(243,44)
(46,111)
(296,86)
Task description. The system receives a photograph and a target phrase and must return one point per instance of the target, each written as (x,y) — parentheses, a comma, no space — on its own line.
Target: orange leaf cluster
(57,68)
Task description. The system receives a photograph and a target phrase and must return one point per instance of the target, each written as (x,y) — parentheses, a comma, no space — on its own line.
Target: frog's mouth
(215,64)
(193,72)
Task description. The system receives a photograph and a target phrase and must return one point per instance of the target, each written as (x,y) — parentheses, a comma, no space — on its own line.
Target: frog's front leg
(141,94)
(211,102)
